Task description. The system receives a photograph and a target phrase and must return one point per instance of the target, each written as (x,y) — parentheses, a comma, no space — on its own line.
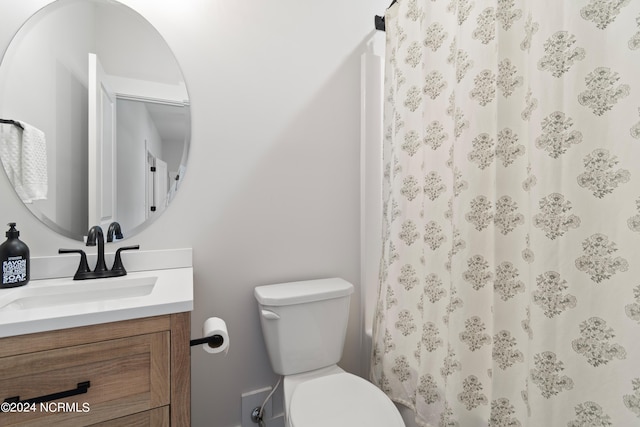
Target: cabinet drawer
(126,376)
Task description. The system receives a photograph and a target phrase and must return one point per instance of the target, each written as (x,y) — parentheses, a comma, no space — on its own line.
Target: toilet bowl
(304,326)
(341,400)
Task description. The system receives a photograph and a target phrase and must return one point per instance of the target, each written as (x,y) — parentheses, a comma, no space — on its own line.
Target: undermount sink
(68,292)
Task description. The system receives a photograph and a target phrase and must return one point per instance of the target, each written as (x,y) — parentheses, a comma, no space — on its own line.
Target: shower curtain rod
(379,20)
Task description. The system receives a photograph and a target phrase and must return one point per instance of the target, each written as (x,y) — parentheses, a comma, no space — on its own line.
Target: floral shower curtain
(510,278)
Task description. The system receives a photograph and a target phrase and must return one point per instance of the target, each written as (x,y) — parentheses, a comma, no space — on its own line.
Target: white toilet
(304,326)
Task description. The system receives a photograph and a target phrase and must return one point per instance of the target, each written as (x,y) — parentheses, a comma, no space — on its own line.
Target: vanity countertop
(158,283)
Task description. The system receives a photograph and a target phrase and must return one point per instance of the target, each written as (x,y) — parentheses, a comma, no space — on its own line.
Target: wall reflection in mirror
(102,120)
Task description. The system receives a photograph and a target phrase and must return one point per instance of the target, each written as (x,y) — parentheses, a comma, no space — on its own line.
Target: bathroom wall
(272,187)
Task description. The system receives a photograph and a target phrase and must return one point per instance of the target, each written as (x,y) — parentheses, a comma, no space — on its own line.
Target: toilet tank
(304,323)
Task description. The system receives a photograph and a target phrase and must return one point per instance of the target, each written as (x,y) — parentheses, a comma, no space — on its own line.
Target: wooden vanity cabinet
(138,374)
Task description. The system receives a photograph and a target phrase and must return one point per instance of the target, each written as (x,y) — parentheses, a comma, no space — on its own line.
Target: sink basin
(69,292)
(158,282)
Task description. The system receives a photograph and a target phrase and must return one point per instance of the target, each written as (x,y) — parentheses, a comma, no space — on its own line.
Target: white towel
(24,157)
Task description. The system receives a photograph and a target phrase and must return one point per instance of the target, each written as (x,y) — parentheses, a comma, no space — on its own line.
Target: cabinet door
(158,417)
(126,376)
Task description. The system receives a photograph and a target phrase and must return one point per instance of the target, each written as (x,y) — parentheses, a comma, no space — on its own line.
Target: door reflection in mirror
(149,135)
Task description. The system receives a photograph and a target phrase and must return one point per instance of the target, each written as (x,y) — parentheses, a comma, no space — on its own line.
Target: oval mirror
(94,117)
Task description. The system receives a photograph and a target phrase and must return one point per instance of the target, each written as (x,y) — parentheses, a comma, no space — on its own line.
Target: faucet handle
(83,271)
(118,267)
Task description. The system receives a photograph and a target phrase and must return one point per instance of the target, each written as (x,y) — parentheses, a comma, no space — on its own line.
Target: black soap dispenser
(14,259)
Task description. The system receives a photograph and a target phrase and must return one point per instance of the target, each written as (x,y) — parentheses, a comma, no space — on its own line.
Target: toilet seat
(342,400)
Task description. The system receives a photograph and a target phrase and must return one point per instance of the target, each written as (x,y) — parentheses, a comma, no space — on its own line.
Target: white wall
(271,191)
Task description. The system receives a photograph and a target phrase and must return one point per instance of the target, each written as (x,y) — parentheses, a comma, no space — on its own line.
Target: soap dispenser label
(14,270)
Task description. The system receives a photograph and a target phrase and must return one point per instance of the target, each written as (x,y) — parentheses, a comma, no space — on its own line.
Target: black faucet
(96,236)
(114,231)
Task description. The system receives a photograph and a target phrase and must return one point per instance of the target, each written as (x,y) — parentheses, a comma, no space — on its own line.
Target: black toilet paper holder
(214,341)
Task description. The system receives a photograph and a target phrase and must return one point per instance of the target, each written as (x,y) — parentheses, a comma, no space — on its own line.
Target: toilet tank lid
(302,291)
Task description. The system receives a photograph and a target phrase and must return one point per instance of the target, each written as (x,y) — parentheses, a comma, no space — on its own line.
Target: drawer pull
(80,389)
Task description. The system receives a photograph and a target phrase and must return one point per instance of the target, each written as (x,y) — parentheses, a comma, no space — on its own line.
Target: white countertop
(164,288)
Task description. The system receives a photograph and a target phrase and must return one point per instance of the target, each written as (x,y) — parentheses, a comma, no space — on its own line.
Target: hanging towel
(24,157)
